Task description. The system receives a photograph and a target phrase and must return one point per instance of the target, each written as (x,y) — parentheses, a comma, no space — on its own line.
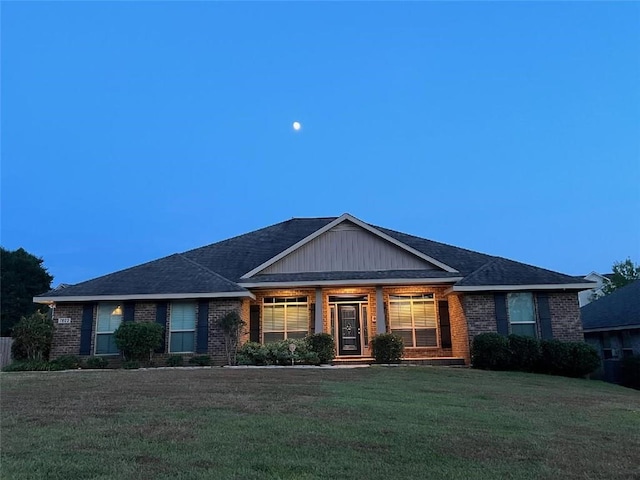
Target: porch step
(440,361)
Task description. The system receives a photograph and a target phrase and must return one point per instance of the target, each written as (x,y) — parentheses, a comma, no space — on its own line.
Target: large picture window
(285,318)
(522,314)
(182,330)
(109,319)
(414,319)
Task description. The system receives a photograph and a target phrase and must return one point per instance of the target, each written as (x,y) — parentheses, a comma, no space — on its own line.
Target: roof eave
(148,296)
(514,288)
(354,282)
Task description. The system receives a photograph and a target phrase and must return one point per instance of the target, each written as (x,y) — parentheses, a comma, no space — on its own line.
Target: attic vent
(345,227)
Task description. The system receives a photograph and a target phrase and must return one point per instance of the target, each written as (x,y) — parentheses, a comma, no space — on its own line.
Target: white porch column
(318,323)
(380,321)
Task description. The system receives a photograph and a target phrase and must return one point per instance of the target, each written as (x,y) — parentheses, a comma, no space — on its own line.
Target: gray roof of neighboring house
(618,309)
(217,267)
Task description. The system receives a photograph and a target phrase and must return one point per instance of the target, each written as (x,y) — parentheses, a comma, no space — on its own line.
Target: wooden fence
(5,351)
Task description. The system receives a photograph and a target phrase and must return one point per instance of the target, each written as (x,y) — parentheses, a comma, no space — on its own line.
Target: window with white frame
(413,317)
(182,327)
(109,318)
(284,317)
(522,314)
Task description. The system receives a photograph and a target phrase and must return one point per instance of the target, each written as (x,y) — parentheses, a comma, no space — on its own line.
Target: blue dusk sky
(131,131)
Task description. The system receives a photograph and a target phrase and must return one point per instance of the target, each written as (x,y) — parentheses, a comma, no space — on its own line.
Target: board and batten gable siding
(347,248)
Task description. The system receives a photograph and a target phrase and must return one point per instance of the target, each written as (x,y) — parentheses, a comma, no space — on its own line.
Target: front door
(349,330)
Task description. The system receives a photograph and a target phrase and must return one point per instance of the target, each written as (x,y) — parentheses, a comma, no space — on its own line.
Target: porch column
(319,323)
(380,321)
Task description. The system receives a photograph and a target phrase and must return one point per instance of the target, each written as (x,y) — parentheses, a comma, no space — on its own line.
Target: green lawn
(365,423)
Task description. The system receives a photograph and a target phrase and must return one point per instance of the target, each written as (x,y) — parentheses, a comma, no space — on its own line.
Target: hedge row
(312,350)
(491,351)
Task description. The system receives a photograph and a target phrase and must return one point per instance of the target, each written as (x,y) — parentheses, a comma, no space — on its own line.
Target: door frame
(361,302)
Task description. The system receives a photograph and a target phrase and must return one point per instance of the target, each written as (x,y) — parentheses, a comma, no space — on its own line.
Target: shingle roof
(217,267)
(172,274)
(618,309)
(501,271)
(328,276)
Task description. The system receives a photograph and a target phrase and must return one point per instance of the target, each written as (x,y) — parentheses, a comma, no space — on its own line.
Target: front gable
(348,245)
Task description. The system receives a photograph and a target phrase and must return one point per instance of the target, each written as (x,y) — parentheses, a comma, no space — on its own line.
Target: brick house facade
(334,275)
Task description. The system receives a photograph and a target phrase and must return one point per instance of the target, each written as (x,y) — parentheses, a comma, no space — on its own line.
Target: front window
(522,314)
(285,318)
(182,330)
(414,319)
(109,319)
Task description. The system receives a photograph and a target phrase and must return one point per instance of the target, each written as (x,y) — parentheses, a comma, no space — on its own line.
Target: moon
(297,126)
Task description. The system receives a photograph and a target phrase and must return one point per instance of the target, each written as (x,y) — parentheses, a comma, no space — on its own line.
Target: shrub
(32,337)
(387,348)
(524,353)
(200,360)
(175,361)
(554,357)
(96,362)
(130,364)
(490,351)
(138,340)
(323,345)
(583,359)
(28,366)
(66,362)
(252,353)
(631,372)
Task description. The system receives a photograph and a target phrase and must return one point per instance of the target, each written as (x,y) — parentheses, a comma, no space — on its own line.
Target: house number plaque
(64,320)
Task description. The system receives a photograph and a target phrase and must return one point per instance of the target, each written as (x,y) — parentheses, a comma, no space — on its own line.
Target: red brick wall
(66,337)
(480,311)
(565,317)
(459,330)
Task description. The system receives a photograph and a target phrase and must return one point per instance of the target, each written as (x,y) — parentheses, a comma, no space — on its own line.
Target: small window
(182,327)
(414,319)
(522,314)
(285,317)
(109,319)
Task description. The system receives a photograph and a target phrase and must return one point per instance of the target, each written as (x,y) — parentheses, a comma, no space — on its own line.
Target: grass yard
(365,423)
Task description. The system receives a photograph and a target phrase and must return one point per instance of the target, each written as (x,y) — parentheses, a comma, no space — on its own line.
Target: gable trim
(502,288)
(146,296)
(361,224)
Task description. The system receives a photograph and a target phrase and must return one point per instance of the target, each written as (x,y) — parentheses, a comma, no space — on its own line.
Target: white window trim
(171,331)
(535,316)
(410,298)
(95,339)
(285,304)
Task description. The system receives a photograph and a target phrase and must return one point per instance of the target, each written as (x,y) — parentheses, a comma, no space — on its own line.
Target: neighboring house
(336,275)
(612,325)
(590,295)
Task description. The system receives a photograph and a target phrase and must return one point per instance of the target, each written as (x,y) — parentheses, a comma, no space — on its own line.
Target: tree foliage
(32,337)
(138,340)
(231,325)
(623,274)
(22,277)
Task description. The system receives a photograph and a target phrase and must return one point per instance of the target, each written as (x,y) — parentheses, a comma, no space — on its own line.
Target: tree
(32,337)
(231,325)
(22,277)
(623,274)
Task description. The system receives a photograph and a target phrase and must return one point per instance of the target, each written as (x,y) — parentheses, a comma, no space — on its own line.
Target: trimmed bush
(583,359)
(175,361)
(631,371)
(524,353)
(137,340)
(200,360)
(323,345)
(130,364)
(66,362)
(554,357)
(96,362)
(277,353)
(387,348)
(490,351)
(252,353)
(32,337)
(28,366)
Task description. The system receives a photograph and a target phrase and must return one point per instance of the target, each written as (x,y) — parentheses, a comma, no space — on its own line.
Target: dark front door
(349,330)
